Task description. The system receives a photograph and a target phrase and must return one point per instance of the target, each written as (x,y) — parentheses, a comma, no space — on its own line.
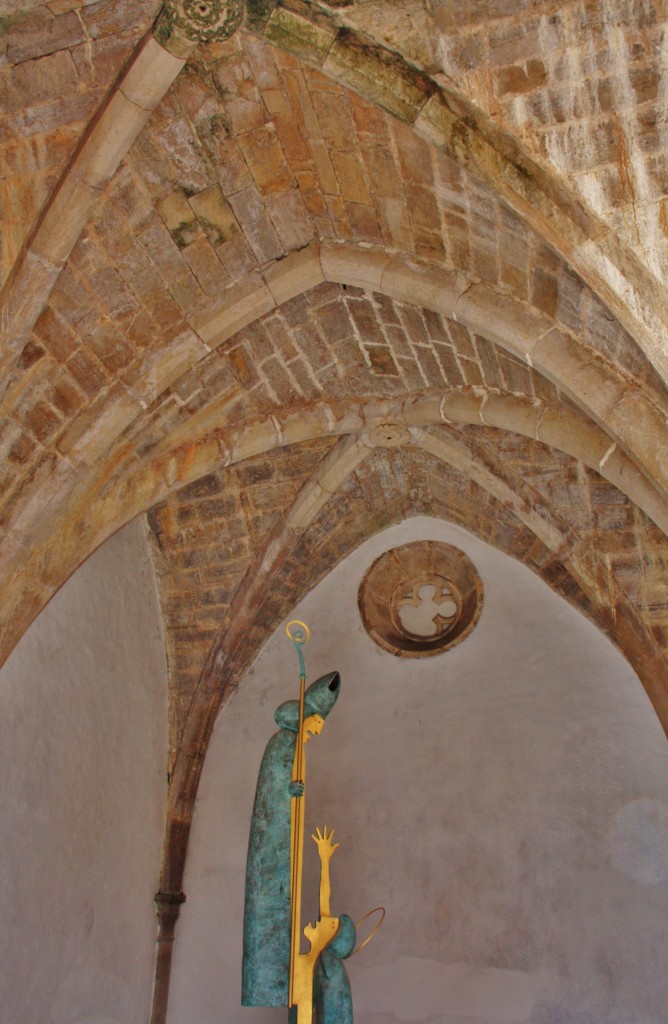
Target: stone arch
(439,115)
(623,407)
(118,466)
(625,410)
(558,540)
(573,722)
(560,557)
(127,484)
(449,121)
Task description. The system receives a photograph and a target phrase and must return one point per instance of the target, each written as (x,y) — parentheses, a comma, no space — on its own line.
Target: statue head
(343,942)
(323,929)
(319,699)
(312,726)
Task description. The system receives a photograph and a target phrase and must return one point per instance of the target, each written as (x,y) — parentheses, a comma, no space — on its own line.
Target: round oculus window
(420,599)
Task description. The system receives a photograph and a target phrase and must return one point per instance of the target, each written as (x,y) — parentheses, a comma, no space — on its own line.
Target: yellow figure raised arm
(326,848)
(319,935)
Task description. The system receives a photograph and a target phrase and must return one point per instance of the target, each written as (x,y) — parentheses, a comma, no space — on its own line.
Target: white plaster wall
(83,740)
(507,802)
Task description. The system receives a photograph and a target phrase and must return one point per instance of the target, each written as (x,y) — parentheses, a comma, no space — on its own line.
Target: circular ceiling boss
(420,599)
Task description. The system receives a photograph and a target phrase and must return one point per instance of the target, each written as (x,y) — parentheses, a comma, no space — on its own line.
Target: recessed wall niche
(420,599)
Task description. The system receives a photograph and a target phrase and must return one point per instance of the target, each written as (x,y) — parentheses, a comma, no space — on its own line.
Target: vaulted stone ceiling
(354,262)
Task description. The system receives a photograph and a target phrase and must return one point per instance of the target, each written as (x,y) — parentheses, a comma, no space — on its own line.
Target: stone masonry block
(265,157)
(215,215)
(70,209)
(308,38)
(164,367)
(256,224)
(40,33)
(295,274)
(582,375)
(63,6)
(378,75)
(91,433)
(350,174)
(422,285)
(150,75)
(521,78)
(290,218)
(179,218)
(348,265)
(240,304)
(499,318)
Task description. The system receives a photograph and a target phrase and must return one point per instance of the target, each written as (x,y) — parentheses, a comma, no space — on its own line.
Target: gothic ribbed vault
(226,262)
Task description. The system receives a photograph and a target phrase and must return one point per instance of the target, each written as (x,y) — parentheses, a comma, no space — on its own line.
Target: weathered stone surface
(278,259)
(215,215)
(239,305)
(299,34)
(377,76)
(295,274)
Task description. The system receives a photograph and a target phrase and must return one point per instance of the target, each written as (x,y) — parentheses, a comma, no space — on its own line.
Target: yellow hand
(324,841)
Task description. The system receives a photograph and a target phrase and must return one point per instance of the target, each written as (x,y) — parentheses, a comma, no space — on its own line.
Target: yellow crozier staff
(302,965)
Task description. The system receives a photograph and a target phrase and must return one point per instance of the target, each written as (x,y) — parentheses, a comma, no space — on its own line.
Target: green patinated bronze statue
(266,960)
(314,985)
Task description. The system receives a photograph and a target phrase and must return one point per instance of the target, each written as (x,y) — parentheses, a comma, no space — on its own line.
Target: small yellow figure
(319,935)
(323,990)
